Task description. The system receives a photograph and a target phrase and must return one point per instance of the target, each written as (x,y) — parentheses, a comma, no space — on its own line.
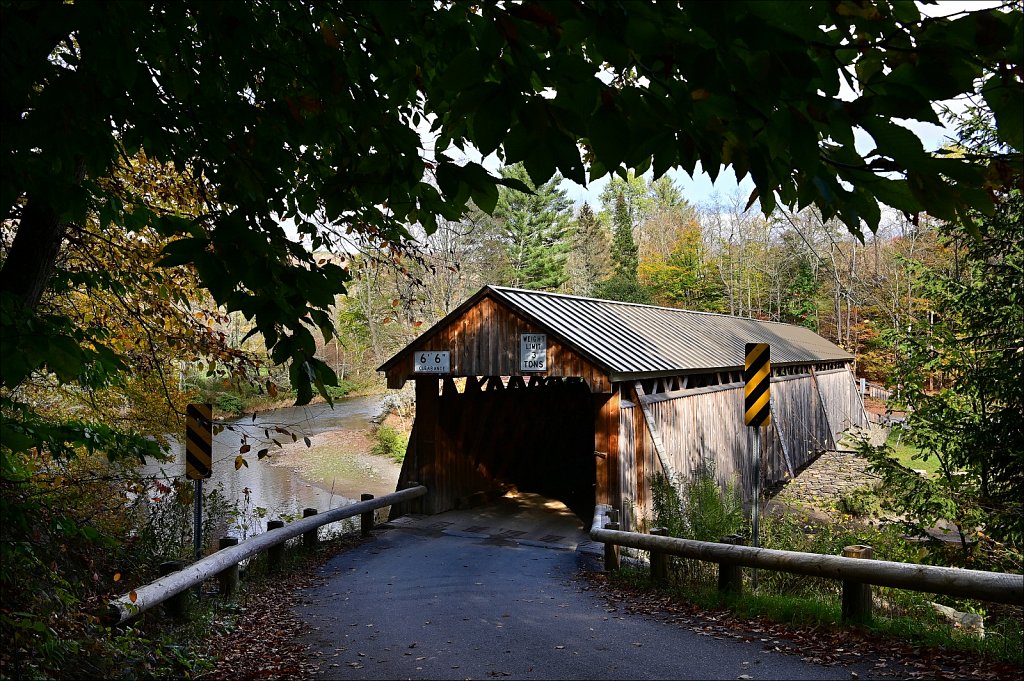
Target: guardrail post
(175,605)
(228,577)
(365,519)
(310,539)
(611,551)
(659,559)
(730,576)
(857,595)
(275,553)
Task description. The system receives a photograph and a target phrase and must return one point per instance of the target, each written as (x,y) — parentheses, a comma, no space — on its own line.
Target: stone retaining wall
(826,480)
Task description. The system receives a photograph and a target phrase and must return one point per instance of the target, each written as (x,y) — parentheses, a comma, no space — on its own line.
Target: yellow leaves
(117,576)
(240,461)
(849,8)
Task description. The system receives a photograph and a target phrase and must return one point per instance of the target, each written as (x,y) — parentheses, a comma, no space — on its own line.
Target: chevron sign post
(757,378)
(198,460)
(757,413)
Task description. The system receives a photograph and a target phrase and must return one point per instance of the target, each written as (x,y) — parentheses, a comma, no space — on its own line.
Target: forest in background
(645,243)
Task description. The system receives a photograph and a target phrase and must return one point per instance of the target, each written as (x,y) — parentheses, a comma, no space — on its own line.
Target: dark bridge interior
(536,439)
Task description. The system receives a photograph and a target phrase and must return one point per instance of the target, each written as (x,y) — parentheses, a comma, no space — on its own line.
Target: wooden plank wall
(842,397)
(800,419)
(705,426)
(485,342)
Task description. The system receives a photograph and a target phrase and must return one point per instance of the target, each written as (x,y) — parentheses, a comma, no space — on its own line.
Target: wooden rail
(128,607)
(996,587)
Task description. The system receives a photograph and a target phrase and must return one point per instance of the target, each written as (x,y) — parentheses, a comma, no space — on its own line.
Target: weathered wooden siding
(484,341)
(842,399)
(704,427)
(800,419)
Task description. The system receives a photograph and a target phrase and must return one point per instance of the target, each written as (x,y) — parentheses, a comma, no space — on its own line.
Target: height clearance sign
(757,377)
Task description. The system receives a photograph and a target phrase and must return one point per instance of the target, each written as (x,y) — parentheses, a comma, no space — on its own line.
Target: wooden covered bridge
(582,400)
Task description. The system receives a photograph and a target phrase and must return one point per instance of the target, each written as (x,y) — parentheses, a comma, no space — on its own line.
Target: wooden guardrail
(855,572)
(224,561)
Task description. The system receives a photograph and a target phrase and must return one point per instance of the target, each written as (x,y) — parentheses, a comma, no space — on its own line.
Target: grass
(904,453)
(915,623)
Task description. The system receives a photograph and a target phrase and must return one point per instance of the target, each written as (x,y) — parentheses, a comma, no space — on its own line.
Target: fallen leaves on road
(263,641)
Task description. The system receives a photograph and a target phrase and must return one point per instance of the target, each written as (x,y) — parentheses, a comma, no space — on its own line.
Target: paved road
(429,600)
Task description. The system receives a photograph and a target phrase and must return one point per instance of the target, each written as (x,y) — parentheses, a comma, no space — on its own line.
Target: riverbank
(340,462)
(286,399)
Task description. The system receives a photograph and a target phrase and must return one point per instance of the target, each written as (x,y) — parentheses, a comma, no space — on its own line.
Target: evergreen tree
(534,231)
(589,262)
(623,284)
(625,253)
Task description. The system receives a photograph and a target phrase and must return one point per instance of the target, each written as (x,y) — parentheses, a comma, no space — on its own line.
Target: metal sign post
(197,520)
(757,378)
(198,460)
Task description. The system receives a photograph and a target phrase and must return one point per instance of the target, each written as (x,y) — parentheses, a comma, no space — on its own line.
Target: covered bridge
(582,400)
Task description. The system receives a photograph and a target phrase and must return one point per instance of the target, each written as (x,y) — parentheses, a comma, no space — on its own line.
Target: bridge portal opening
(538,439)
(534,439)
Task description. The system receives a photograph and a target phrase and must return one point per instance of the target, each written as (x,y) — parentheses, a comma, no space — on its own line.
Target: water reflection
(279,489)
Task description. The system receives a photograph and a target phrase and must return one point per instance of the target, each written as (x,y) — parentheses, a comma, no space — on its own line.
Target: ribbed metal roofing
(630,340)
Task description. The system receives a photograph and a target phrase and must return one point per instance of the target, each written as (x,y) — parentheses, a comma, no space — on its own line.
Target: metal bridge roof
(633,341)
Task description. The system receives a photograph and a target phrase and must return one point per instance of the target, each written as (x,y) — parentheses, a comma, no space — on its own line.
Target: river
(276,483)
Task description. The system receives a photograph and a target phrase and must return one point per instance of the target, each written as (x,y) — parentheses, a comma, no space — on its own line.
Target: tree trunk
(33,255)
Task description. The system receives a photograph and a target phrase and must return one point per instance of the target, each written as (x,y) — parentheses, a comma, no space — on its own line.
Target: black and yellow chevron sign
(198,441)
(757,377)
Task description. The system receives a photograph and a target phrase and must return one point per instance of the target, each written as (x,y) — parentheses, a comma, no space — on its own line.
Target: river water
(280,489)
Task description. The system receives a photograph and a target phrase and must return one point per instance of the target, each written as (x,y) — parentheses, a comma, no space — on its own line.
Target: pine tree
(534,231)
(623,284)
(589,262)
(625,254)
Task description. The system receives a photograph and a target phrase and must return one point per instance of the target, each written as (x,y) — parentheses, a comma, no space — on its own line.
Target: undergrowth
(698,508)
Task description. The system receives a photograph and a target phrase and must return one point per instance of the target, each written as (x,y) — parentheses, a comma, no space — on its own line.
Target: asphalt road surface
(434,602)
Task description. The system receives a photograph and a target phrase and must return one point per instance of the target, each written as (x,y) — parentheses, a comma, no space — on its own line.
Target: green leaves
(1003,95)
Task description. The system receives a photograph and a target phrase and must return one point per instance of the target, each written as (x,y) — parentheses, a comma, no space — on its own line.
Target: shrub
(862,502)
(698,508)
(390,442)
(229,403)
